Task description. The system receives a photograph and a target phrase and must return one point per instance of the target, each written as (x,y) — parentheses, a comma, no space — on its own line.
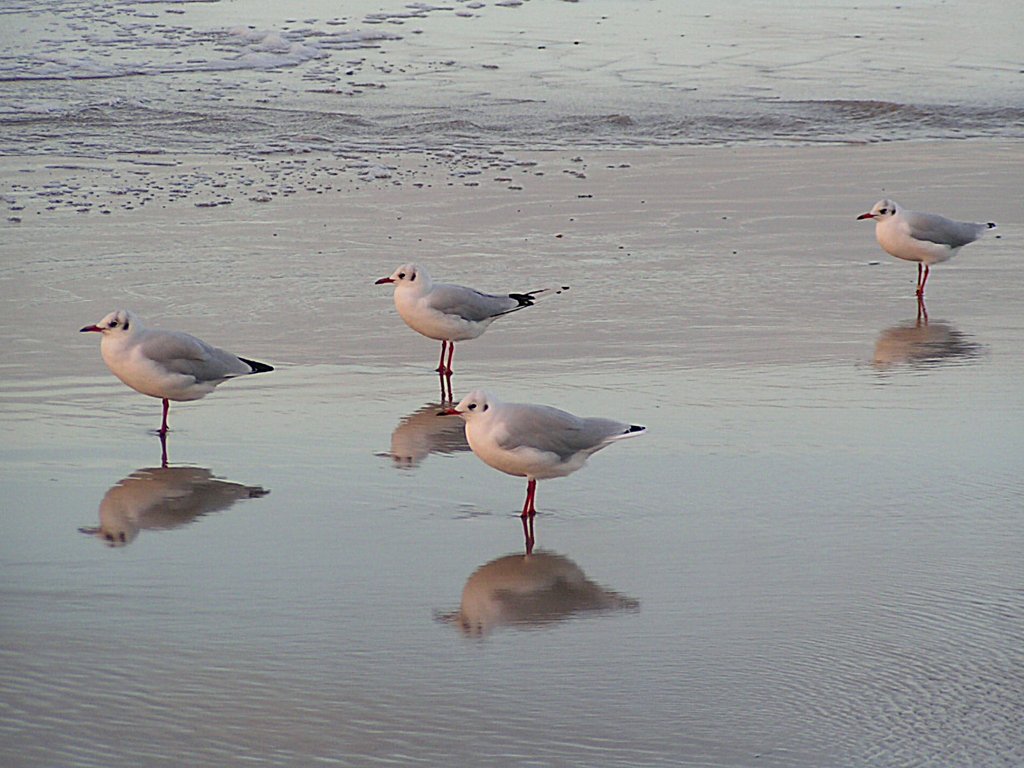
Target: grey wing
(469,304)
(555,431)
(185,354)
(939,229)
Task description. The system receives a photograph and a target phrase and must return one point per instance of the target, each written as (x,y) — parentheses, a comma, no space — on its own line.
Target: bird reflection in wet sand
(532,590)
(161,498)
(422,433)
(921,343)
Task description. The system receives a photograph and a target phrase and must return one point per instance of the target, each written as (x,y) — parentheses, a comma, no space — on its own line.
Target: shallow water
(813,556)
(91,79)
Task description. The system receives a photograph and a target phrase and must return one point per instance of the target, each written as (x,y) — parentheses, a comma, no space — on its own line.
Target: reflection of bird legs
(163,448)
(922,310)
(444,371)
(529,511)
(446,388)
(920,282)
(528,533)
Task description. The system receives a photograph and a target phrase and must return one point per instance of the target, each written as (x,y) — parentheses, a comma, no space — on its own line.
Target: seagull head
(406,276)
(882,210)
(118,322)
(115,533)
(472,405)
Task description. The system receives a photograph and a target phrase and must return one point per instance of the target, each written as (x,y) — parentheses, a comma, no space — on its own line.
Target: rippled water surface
(811,559)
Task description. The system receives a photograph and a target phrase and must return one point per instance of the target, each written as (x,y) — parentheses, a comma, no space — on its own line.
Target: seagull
(450,313)
(922,237)
(534,441)
(170,365)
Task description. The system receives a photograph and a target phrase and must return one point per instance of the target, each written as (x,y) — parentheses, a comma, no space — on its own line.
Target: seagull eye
(401,275)
(472,406)
(113,323)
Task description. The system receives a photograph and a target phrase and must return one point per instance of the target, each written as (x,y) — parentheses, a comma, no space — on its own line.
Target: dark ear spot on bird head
(486,406)
(412,277)
(126,324)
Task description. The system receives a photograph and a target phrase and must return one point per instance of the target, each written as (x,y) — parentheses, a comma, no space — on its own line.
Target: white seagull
(450,313)
(169,365)
(534,441)
(922,237)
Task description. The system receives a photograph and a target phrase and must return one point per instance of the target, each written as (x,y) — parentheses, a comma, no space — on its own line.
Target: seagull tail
(257,367)
(528,298)
(633,430)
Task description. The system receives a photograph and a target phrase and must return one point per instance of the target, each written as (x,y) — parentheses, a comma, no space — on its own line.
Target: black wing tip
(524,299)
(991,225)
(527,299)
(257,367)
(635,428)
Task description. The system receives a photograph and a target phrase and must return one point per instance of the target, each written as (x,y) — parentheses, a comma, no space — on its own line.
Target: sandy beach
(693,257)
(814,552)
(811,557)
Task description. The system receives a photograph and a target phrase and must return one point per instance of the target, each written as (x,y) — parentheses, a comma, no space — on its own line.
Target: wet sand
(818,540)
(666,250)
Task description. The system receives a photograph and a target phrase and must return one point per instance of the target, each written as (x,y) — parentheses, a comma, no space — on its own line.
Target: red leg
(163,426)
(922,311)
(927,269)
(163,449)
(440,363)
(529,510)
(919,267)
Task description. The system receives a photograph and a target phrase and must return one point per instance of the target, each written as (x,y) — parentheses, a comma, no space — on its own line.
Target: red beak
(384,280)
(449,412)
(866,216)
(94,328)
